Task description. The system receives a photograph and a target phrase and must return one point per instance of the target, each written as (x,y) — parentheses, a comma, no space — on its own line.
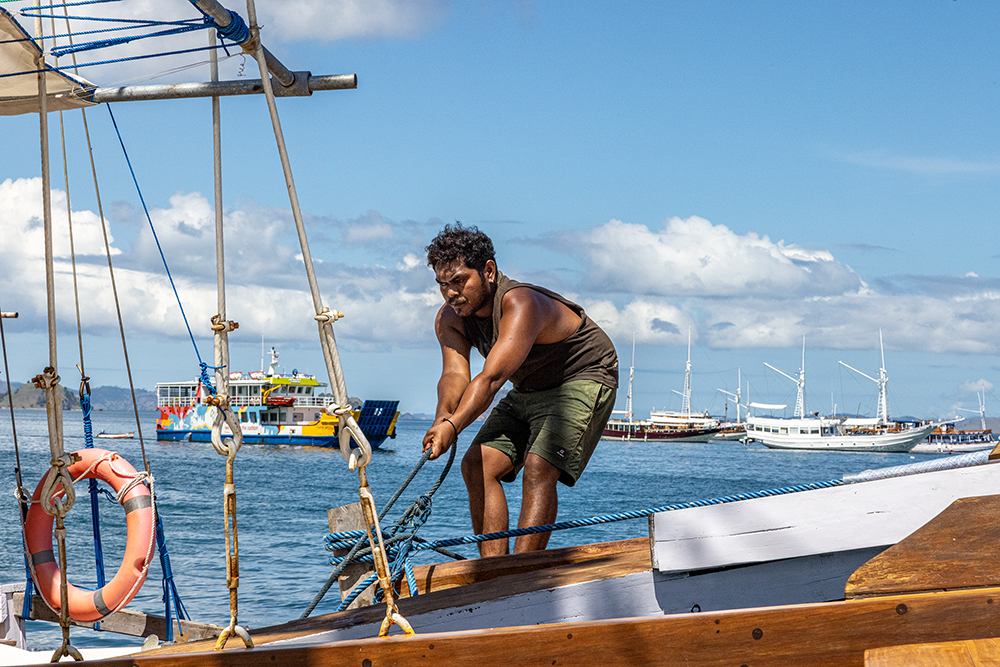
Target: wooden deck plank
(969,653)
(440,576)
(820,635)
(954,550)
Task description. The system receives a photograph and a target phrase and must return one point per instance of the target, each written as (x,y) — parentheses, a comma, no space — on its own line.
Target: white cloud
(919,165)
(974,386)
(266,287)
(330,20)
(693,257)
(732,291)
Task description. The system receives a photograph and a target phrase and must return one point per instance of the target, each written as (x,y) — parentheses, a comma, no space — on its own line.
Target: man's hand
(439,438)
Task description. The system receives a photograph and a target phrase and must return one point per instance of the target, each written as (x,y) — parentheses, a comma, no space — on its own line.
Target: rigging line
(70,4)
(204,366)
(85,399)
(97,31)
(10,403)
(111,19)
(109,62)
(118,41)
(111,270)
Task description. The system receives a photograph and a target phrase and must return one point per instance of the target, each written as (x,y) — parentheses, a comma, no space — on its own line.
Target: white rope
(324,316)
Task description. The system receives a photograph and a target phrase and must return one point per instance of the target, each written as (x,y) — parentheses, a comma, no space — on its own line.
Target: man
(564,370)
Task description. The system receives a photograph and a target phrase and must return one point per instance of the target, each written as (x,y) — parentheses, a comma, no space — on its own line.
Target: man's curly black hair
(458,242)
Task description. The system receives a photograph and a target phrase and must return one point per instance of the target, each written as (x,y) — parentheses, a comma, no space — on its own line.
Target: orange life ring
(87,605)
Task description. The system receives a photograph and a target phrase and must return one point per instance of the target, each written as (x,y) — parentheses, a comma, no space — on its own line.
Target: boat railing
(243,401)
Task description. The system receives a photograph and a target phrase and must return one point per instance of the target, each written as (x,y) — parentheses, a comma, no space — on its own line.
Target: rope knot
(335,410)
(46,379)
(327,316)
(220,325)
(218,400)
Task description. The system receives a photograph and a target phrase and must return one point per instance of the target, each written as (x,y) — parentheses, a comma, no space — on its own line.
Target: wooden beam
(956,549)
(819,635)
(342,519)
(441,576)
(969,653)
(125,622)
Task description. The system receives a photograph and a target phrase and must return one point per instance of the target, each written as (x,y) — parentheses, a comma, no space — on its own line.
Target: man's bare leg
(539,502)
(482,468)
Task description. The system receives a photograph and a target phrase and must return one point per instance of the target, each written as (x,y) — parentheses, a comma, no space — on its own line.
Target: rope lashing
(220,324)
(328,316)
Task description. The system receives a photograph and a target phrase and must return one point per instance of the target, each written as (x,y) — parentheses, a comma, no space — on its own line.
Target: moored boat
(683,426)
(273,409)
(117,436)
(836,432)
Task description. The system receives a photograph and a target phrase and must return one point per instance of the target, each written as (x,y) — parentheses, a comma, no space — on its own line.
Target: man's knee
(472,463)
(538,470)
(482,462)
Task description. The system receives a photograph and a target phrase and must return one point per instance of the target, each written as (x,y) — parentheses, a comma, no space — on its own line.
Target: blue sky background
(758,172)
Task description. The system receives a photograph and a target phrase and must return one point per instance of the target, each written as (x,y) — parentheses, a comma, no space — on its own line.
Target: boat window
(793,430)
(253,417)
(814,431)
(241,390)
(175,392)
(296,417)
(163,392)
(784,430)
(282,416)
(255,390)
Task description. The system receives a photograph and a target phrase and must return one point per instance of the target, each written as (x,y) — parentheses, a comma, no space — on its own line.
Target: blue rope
(356,547)
(95,517)
(71,4)
(204,366)
(334,540)
(624,516)
(105,43)
(170,594)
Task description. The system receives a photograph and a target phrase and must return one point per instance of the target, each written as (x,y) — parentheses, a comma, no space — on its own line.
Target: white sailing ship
(836,432)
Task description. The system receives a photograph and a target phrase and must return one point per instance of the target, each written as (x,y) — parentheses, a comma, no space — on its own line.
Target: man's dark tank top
(587,354)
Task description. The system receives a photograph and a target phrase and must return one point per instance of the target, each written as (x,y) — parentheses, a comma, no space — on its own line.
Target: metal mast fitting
(230,23)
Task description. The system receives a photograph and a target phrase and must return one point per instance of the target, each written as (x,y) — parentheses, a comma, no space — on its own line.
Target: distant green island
(26,396)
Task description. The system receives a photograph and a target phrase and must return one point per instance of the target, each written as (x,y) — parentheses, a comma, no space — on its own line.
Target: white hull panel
(854,516)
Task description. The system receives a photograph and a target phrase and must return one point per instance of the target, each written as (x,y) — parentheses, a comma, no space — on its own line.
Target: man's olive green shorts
(562,425)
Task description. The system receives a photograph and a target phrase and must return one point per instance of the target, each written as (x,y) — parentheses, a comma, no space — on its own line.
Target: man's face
(463,288)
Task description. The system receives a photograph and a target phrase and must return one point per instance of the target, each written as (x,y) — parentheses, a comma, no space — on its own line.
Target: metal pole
(222,88)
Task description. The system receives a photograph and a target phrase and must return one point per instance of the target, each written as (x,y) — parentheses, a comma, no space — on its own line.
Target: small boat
(949,440)
(117,436)
(273,409)
(683,426)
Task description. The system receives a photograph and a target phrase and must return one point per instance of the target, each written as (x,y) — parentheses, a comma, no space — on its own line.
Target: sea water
(282,494)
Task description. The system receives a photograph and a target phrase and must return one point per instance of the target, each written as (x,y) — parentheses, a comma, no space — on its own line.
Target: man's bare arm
(455,375)
(525,315)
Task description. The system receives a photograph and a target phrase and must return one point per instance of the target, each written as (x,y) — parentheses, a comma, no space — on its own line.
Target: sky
(768,177)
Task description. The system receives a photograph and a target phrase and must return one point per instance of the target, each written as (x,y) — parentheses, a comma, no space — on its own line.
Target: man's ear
(490,272)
